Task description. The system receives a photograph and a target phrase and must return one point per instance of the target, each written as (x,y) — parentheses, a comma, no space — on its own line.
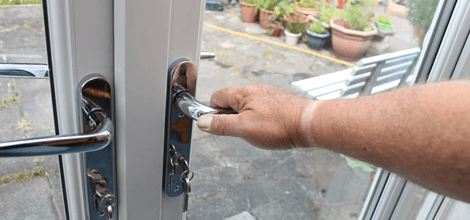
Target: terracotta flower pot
(277,28)
(308,11)
(264,18)
(248,12)
(294,17)
(277,32)
(341,3)
(349,44)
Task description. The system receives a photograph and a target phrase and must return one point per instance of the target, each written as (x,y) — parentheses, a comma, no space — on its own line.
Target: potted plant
(317,35)
(384,26)
(266,10)
(293,31)
(274,29)
(384,22)
(326,12)
(288,12)
(352,34)
(249,10)
(307,7)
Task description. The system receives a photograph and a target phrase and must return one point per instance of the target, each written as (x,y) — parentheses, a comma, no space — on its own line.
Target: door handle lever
(98,129)
(207,55)
(182,108)
(192,108)
(183,83)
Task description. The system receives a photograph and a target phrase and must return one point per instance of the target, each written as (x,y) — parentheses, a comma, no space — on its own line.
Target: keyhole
(180,115)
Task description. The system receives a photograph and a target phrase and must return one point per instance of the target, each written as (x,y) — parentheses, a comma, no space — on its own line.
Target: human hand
(267,117)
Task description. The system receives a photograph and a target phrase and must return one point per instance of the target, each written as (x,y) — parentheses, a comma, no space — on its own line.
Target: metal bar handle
(61,144)
(99,129)
(193,108)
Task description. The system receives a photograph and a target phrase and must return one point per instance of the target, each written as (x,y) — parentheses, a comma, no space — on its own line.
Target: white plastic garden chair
(371,75)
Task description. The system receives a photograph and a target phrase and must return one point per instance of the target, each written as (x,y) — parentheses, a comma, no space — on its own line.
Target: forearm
(421,133)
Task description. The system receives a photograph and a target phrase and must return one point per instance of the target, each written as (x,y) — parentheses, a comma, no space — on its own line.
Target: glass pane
(233,178)
(30,187)
(22,36)
(418,200)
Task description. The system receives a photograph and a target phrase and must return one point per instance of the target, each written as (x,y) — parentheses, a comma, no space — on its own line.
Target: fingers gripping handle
(184,76)
(192,108)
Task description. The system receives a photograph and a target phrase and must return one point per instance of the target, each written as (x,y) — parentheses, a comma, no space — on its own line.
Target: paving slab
(10,116)
(58,197)
(16,23)
(242,216)
(30,200)
(36,104)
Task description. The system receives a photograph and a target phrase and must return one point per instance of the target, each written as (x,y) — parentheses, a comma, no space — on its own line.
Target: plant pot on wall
(316,41)
(349,44)
(264,18)
(292,39)
(248,12)
(383,33)
(387,27)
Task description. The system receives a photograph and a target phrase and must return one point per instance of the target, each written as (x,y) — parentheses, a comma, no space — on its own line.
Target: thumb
(224,124)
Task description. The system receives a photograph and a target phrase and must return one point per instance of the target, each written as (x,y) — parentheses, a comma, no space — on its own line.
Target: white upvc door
(131,45)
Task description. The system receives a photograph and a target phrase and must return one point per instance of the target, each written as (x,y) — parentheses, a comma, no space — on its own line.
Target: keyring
(110,211)
(109,199)
(190,175)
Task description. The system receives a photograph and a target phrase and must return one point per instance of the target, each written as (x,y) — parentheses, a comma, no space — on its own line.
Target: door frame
(131,44)
(78,45)
(146,43)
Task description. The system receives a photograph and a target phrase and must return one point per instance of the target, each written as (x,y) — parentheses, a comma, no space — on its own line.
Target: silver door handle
(192,108)
(24,70)
(207,55)
(98,127)
(184,76)
(182,108)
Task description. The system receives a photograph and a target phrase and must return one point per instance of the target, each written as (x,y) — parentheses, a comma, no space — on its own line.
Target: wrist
(306,126)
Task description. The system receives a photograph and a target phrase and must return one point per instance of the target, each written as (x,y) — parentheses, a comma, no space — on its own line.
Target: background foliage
(422,12)
(18,2)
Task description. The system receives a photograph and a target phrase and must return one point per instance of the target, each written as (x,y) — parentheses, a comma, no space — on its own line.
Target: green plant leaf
(384,19)
(357,165)
(358,14)
(316,27)
(267,4)
(296,27)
